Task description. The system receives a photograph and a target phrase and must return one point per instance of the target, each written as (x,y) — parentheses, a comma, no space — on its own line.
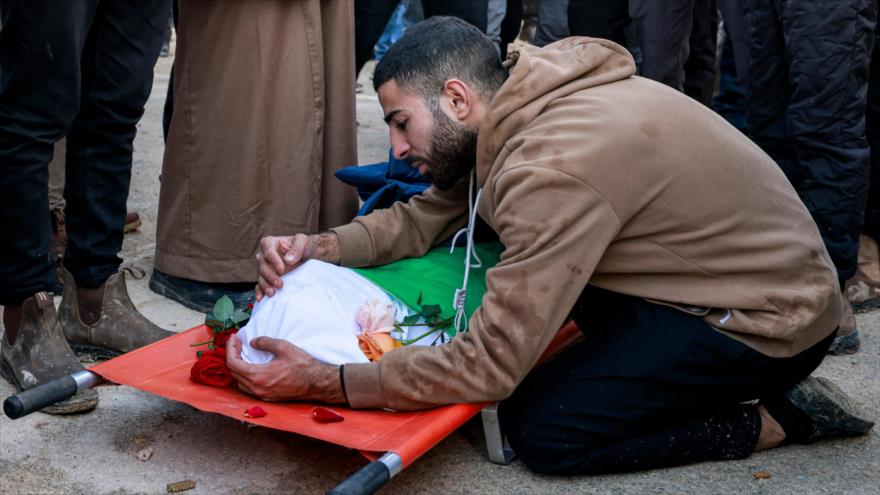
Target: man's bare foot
(771,434)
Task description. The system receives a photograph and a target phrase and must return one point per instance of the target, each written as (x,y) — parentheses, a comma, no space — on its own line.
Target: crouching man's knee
(545,444)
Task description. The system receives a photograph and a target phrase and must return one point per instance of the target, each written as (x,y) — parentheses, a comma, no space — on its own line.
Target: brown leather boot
(863,290)
(40,354)
(105,322)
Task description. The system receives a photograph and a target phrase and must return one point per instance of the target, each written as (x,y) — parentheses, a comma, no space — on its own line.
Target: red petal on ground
(255,412)
(324,415)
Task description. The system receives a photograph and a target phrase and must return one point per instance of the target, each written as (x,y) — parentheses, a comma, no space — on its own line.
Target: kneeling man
(677,246)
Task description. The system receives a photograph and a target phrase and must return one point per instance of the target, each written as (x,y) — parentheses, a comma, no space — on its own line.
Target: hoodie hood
(537,77)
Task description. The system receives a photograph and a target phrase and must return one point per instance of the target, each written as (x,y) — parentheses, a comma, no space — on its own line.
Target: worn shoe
(120,328)
(132,222)
(200,296)
(815,409)
(847,340)
(41,354)
(863,290)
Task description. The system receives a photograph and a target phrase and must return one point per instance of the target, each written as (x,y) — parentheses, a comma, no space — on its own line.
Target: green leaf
(223,309)
(413,318)
(240,316)
(431,310)
(450,331)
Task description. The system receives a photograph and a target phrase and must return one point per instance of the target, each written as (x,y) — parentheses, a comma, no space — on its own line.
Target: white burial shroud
(315,310)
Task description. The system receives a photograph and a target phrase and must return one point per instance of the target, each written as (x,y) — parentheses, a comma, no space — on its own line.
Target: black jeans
(649,387)
(599,19)
(474,12)
(872,208)
(81,68)
(807,86)
(676,39)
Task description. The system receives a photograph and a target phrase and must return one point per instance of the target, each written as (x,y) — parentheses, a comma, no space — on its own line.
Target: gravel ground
(97,453)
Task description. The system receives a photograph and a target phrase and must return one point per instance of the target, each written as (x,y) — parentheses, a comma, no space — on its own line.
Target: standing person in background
(599,19)
(529,20)
(676,39)
(807,86)
(498,19)
(402,18)
(552,22)
(863,289)
(83,68)
(733,65)
(56,211)
(370,19)
(264,115)
(474,12)
(512,24)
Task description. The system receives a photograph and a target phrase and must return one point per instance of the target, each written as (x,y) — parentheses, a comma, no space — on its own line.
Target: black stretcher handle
(368,480)
(45,394)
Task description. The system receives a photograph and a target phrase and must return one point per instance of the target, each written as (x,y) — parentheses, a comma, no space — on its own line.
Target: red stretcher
(391,440)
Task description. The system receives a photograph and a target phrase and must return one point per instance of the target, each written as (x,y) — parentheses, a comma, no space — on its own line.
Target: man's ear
(460,99)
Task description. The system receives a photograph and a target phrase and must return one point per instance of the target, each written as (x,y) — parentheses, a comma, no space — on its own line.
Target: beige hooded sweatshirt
(592,175)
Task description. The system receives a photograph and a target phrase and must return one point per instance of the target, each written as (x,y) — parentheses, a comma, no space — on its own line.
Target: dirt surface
(97,453)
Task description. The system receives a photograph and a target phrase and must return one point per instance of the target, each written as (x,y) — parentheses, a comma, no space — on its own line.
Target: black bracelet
(342,382)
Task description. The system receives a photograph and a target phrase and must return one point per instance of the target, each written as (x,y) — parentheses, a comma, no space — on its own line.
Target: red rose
(222,337)
(211,370)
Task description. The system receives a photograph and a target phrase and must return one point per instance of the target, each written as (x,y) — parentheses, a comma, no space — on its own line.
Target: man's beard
(453,152)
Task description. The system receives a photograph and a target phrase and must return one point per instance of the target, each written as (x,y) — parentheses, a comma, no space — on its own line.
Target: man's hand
(277,256)
(280,255)
(292,375)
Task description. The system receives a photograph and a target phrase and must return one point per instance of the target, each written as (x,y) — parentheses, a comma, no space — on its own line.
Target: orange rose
(374,345)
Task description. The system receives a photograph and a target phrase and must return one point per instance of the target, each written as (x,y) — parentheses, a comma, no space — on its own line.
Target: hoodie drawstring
(460,297)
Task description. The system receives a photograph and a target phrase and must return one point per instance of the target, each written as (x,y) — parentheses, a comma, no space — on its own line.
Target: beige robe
(264,113)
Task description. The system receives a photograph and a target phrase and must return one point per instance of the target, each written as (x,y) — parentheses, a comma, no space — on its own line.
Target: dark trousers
(675,38)
(730,102)
(370,18)
(81,68)
(807,86)
(599,19)
(475,12)
(735,27)
(699,68)
(649,387)
(872,207)
(733,66)
(513,19)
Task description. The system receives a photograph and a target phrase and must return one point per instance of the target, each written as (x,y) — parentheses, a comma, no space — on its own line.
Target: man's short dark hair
(438,49)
